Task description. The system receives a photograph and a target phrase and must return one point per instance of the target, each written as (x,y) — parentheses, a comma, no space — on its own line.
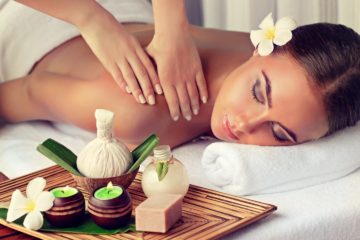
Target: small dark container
(67,212)
(112,213)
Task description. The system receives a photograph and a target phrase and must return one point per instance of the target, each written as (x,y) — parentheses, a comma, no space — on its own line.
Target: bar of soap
(158,213)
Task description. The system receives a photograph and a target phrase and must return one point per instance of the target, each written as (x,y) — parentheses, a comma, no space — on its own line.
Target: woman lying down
(300,91)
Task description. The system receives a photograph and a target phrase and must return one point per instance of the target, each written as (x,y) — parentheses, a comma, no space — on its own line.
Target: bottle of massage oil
(165,174)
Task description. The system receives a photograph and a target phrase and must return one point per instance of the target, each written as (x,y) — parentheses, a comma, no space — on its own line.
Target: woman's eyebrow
(269,102)
(267,88)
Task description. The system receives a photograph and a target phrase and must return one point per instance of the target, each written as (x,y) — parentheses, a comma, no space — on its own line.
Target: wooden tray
(207,214)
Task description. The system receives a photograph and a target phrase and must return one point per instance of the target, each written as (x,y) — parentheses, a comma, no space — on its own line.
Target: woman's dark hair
(330,53)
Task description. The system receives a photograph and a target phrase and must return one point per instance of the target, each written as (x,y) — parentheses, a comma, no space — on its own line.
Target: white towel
(26,35)
(247,169)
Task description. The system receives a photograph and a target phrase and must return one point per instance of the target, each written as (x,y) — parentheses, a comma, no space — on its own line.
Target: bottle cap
(162,153)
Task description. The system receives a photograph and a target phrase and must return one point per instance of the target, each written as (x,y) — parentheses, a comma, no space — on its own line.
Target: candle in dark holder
(68,209)
(110,206)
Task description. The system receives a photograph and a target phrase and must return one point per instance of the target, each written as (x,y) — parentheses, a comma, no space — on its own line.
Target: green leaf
(143,151)
(162,169)
(88,226)
(59,154)
(136,153)
(62,151)
(140,148)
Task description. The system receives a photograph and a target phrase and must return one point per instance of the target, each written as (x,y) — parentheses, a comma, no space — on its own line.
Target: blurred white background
(245,15)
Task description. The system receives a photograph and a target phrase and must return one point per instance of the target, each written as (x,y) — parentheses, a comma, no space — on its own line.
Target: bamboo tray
(207,214)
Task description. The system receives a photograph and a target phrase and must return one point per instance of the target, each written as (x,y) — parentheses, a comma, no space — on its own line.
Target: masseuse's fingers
(172,101)
(149,66)
(117,75)
(201,85)
(133,86)
(193,96)
(142,78)
(184,101)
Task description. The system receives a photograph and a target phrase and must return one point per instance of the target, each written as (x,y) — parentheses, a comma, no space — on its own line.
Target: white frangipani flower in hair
(37,201)
(270,34)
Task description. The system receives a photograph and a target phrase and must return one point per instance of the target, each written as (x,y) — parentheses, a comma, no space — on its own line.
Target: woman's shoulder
(221,39)
(205,38)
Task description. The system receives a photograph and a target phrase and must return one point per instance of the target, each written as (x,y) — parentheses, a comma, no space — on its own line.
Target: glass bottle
(165,174)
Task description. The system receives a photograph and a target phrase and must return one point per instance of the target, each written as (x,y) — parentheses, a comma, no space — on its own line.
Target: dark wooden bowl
(91,184)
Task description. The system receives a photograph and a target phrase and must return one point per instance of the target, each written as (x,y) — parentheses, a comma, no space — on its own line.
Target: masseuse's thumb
(151,53)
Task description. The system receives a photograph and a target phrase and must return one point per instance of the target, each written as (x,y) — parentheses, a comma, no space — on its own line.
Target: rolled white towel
(247,169)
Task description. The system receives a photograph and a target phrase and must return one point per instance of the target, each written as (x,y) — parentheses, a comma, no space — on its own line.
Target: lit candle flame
(66,188)
(109,186)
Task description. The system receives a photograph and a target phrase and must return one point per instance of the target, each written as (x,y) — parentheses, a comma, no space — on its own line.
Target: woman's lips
(227,129)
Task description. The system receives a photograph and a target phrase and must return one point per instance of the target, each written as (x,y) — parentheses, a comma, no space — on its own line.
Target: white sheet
(326,211)
(27,34)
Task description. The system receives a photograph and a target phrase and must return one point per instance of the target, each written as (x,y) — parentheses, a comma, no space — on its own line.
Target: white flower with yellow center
(37,201)
(270,34)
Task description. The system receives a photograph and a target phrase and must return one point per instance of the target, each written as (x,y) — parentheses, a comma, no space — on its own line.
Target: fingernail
(127,89)
(142,99)
(204,99)
(196,111)
(188,117)
(176,118)
(158,89)
(151,100)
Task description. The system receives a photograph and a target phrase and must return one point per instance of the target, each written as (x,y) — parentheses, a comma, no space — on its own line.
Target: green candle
(108,192)
(63,192)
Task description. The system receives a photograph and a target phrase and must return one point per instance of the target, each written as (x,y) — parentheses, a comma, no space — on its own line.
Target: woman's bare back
(69,83)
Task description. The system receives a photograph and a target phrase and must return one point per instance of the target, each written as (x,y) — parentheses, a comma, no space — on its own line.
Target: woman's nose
(247,124)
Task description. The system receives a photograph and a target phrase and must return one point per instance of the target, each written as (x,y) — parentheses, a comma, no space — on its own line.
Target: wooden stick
(3,177)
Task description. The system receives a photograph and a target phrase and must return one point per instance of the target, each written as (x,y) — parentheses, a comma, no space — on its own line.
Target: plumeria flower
(270,34)
(37,201)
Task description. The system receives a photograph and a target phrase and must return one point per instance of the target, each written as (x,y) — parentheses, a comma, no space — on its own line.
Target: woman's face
(268,101)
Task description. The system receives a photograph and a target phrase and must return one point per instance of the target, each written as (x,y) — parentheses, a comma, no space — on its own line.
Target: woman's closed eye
(278,133)
(257,93)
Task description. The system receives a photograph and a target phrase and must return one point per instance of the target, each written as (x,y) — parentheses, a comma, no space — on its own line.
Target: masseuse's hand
(122,56)
(180,72)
